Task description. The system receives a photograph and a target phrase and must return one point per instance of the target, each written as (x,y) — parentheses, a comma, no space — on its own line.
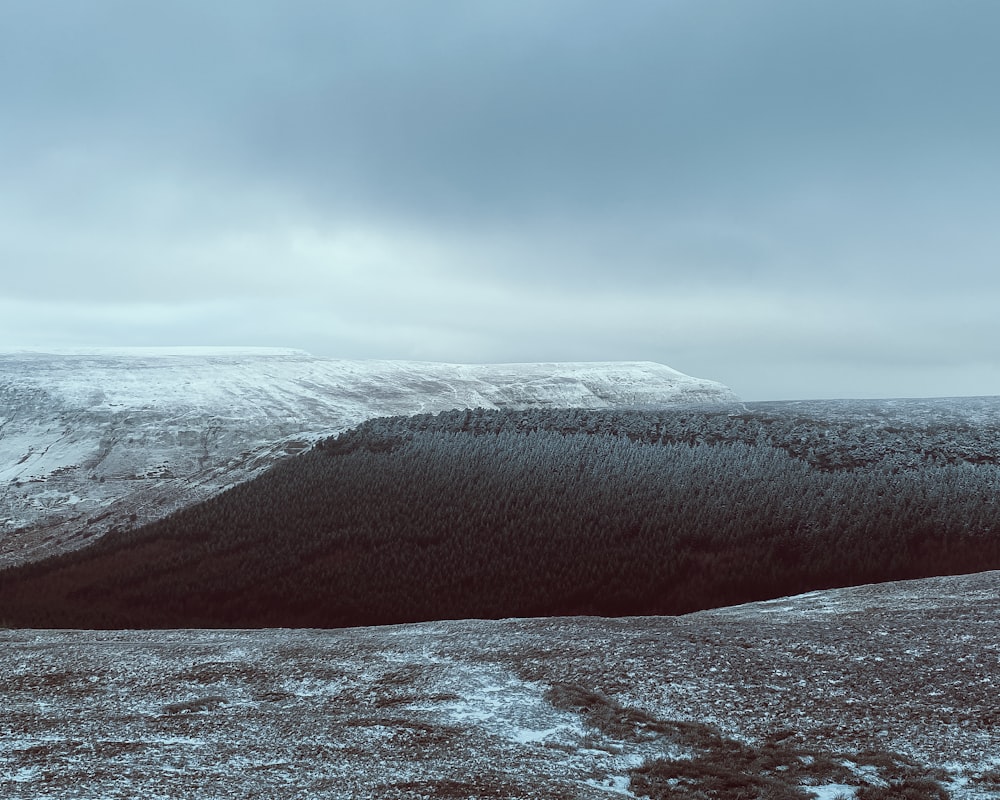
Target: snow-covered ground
(89,438)
(463,708)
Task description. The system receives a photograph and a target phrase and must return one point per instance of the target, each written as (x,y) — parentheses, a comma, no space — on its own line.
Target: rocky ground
(824,693)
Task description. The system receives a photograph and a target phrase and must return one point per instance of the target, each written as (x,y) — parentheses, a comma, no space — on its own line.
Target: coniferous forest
(505,513)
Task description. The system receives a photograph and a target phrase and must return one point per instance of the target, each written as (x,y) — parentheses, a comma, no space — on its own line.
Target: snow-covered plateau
(92,439)
(827,692)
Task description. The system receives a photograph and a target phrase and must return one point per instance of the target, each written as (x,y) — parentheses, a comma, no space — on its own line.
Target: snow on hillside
(93,438)
(838,689)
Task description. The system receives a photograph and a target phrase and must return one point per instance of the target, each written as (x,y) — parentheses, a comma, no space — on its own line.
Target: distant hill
(94,439)
(500,513)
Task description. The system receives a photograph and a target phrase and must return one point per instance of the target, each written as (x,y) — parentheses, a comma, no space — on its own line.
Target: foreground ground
(878,683)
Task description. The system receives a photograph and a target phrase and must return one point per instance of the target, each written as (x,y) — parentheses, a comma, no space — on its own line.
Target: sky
(799,199)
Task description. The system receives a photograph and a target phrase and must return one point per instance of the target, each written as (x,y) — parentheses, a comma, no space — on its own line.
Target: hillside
(840,693)
(499,513)
(94,439)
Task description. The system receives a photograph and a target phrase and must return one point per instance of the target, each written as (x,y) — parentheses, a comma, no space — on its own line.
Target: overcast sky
(799,199)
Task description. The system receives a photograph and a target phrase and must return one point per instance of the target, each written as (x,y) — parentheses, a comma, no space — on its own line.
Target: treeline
(829,435)
(495,514)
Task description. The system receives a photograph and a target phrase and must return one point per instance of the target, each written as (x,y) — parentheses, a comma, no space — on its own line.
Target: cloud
(720,186)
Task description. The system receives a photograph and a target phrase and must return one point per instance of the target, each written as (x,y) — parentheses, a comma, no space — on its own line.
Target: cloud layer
(798,199)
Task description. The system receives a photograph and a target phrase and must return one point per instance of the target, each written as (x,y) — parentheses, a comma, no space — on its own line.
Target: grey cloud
(481,177)
(465,109)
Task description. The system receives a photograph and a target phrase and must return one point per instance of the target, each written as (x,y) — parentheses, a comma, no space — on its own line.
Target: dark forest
(488,514)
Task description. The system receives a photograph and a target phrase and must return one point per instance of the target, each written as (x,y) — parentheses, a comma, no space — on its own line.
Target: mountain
(550,512)
(96,439)
(886,691)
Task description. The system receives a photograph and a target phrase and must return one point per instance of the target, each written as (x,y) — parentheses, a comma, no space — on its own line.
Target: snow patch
(614,784)
(24,775)
(528,736)
(832,791)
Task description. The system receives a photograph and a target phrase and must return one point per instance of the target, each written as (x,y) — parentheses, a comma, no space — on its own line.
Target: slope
(828,694)
(544,512)
(96,439)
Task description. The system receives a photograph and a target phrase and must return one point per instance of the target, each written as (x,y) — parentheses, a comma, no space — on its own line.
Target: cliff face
(90,440)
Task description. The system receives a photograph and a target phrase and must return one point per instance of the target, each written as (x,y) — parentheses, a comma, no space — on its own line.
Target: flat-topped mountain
(93,439)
